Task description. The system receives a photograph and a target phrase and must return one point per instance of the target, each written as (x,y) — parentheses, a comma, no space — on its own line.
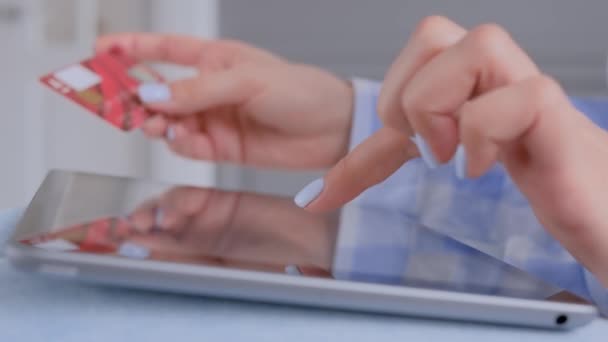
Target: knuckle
(489,34)
(248,80)
(413,104)
(434,33)
(469,126)
(546,93)
(431,24)
(489,40)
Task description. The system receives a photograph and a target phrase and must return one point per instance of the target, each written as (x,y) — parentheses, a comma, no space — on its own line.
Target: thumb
(206,91)
(368,164)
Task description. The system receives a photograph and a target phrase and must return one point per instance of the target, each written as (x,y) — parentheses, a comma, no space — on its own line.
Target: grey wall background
(569,39)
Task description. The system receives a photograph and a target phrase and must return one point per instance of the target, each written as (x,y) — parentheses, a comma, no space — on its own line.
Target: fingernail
(460,162)
(158,218)
(171,133)
(309,193)
(425,152)
(292,270)
(133,251)
(154,92)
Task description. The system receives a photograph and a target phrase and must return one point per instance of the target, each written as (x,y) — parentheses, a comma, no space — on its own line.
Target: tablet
(256,247)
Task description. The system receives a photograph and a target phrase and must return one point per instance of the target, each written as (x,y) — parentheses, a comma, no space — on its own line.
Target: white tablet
(247,246)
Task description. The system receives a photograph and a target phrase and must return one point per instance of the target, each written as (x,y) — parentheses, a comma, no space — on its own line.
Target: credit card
(104,236)
(106,85)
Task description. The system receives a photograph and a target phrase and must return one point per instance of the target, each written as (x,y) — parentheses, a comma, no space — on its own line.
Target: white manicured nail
(425,151)
(154,92)
(460,162)
(309,193)
(133,251)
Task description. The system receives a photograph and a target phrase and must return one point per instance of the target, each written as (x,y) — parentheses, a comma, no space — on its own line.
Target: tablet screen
(244,231)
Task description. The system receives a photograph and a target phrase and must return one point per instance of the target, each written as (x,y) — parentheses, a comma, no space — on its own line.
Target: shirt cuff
(365,117)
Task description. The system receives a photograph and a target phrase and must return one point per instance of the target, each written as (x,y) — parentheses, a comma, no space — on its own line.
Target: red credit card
(100,236)
(106,85)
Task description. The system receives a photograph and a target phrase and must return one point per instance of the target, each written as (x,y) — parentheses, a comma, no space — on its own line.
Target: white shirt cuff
(365,117)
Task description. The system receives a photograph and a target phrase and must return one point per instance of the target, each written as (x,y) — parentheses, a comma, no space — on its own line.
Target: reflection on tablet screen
(270,234)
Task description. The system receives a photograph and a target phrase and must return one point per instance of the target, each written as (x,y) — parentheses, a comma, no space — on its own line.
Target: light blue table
(39,309)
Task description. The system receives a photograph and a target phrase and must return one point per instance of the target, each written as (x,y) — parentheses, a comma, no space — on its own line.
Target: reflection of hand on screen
(233,229)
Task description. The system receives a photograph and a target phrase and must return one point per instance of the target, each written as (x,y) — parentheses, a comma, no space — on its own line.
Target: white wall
(192,17)
(12,29)
(61,134)
(40,37)
(41,130)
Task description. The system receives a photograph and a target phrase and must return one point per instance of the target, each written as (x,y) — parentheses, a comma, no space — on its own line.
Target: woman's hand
(246,105)
(477,98)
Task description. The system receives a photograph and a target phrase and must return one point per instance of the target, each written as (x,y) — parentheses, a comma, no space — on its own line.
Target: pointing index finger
(368,164)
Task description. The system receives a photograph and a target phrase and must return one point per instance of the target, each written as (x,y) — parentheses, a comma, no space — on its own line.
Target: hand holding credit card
(106,85)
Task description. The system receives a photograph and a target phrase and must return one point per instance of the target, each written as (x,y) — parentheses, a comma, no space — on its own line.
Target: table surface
(33,308)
